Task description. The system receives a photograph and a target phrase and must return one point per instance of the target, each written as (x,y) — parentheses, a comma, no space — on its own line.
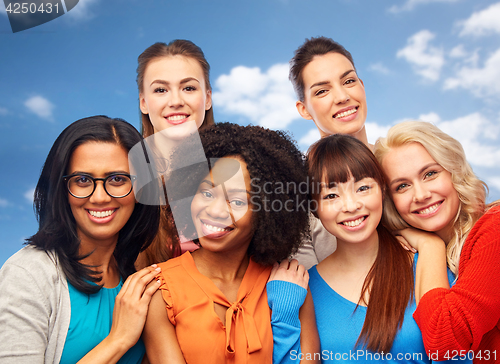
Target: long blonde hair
(448,153)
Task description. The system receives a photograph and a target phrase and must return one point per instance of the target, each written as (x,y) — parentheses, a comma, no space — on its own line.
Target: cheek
(402,203)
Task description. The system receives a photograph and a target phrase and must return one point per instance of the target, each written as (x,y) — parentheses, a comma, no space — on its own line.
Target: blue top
(91,319)
(339,326)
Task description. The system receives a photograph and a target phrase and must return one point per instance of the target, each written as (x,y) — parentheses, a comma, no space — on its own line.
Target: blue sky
(434,60)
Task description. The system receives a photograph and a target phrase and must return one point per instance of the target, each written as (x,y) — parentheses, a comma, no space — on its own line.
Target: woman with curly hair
(434,190)
(246,211)
(175,100)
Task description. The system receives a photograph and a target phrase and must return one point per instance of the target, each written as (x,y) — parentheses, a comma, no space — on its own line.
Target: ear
(362,83)
(142,104)
(301,108)
(208,101)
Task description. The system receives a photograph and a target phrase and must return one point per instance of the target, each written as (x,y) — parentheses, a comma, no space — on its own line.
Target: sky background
(433,60)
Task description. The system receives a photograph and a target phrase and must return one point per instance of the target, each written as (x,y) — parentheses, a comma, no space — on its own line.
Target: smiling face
(352,210)
(421,189)
(174,95)
(334,96)
(100,217)
(220,209)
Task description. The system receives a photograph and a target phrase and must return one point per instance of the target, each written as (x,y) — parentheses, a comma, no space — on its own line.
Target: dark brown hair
(305,54)
(335,159)
(176,47)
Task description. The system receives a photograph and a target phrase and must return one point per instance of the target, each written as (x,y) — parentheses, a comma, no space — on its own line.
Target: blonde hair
(448,153)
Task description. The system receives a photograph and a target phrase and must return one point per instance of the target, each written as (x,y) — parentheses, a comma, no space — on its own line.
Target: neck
(101,259)
(357,255)
(362,137)
(227,267)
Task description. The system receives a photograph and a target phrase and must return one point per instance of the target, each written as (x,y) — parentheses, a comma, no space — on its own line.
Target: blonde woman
(433,189)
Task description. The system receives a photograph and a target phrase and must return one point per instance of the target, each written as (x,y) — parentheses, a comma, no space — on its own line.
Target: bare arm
(129,316)
(431,269)
(159,335)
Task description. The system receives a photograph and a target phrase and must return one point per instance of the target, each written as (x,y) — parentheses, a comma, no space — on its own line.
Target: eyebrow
(183,81)
(321,83)
(105,174)
(210,183)
(397,180)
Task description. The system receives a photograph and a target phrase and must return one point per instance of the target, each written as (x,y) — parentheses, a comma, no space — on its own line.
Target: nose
(100,196)
(340,95)
(350,203)
(420,192)
(175,99)
(218,208)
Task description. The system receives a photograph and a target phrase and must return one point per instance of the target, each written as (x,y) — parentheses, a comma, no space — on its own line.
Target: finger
(301,270)
(150,290)
(138,285)
(294,263)
(137,275)
(284,264)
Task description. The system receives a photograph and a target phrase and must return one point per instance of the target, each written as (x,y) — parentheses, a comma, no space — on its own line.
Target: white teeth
(428,210)
(176,117)
(353,223)
(345,113)
(101,213)
(215,228)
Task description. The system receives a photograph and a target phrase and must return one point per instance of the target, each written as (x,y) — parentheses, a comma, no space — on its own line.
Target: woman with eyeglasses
(72,294)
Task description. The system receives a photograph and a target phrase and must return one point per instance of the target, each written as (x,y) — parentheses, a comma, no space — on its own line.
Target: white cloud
(41,107)
(375,131)
(82,10)
(3,111)
(265,98)
(411,4)
(478,135)
(458,52)
(4,202)
(431,117)
(379,68)
(425,59)
(483,22)
(30,195)
(480,81)
(311,137)
(493,182)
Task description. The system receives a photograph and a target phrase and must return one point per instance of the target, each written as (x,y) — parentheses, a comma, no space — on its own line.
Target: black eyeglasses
(115,185)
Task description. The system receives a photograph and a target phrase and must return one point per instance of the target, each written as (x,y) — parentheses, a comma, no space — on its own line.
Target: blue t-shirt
(339,326)
(90,323)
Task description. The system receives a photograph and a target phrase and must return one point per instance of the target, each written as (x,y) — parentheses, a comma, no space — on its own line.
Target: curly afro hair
(278,185)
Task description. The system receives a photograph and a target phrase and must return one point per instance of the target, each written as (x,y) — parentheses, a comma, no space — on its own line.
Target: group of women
(171,246)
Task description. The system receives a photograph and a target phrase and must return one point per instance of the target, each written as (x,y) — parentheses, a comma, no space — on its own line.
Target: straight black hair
(57,227)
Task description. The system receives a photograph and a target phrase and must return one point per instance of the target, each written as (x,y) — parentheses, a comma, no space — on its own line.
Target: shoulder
(488,224)
(39,265)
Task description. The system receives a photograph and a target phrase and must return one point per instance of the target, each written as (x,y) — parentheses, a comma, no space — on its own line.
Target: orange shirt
(190,297)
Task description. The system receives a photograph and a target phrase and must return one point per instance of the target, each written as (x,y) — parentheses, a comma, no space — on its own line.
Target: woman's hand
(131,305)
(292,272)
(129,317)
(415,240)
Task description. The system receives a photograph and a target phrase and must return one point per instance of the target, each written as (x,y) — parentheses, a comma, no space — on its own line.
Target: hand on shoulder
(292,272)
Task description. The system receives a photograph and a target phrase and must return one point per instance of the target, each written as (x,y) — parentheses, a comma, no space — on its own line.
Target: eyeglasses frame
(132,179)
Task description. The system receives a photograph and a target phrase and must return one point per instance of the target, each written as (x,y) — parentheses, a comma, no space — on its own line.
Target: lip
(355,228)
(178,121)
(207,233)
(348,117)
(102,220)
(429,214)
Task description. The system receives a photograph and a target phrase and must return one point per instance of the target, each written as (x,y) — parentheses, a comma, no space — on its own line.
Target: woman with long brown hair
(175,100)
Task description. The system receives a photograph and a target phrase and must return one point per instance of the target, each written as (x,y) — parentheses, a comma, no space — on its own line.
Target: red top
(467,316)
